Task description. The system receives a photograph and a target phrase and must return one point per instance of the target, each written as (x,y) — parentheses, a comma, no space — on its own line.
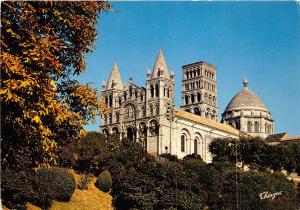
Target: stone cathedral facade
(147,114)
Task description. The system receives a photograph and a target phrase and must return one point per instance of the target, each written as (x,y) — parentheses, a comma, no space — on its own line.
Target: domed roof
(245,99)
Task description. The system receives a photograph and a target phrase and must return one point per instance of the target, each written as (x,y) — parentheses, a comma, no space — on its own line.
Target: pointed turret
(172,74)
(148,73)
(115,80)
(160,68)
(103,85)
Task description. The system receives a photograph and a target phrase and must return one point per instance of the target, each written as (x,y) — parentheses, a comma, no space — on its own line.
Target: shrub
(104,181)
(170,157)
(15,189)
(84,182)
(24,186)
(86,155)
(60,182)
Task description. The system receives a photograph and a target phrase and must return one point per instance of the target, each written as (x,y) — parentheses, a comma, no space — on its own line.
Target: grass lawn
(90,199)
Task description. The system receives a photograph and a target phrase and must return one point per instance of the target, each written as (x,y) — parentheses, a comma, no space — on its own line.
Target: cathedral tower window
(120,101)
(142,97)
(106,101)
(117,117)
(125,96)
(186,99)
(197,111)
(168,94)
(192,98)
(152,91)
(156,90)
(130,91)
(110,118)
(110,100)
(115,130)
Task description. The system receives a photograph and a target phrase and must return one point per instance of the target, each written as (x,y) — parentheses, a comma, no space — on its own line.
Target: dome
(245,99)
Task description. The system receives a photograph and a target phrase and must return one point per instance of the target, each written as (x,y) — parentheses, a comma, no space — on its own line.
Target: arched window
(136,93)
(256,127)
(186,99)
(110,100)
(130,91)
(142,97)
(237,125)
(120,101)
(182,143)
(192,98)
(187,75)
(266,128)
(156,90)
(168,93)
(198,72)
(249,126)
(106,101)
(198,97)
(117,117)
(196,111)
(105,119)
(110,118)
(115,130)
(152,91)
(125,96)
(105,132)
(195,146)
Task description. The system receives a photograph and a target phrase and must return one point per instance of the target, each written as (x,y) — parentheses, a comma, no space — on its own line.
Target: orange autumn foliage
(43,46)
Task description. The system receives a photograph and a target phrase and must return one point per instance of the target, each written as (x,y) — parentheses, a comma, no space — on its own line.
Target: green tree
(43,46)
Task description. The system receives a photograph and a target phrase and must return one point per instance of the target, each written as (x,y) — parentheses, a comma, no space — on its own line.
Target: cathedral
(147,114)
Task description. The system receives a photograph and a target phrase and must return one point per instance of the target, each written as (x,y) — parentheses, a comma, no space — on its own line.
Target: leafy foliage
(61,181)
(17,188)
(142,181)
(257,153)
(43,45)
(87,154)
(104,181)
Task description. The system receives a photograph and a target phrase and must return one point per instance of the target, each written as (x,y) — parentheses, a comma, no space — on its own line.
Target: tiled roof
(204,121)
(245,99)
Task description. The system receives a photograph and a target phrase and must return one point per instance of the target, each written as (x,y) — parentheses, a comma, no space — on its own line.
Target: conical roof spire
(160,67)
(103,85)
(115,80)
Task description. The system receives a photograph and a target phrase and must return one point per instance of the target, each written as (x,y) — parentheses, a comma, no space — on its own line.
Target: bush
(84,182)
(86,155)
(24,186)
(104,181)
(60,182)
(15,189)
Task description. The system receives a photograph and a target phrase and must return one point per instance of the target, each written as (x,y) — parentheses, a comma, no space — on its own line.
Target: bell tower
(199,89)
(160,93)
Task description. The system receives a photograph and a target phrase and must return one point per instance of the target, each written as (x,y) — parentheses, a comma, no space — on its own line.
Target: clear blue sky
(257,39)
